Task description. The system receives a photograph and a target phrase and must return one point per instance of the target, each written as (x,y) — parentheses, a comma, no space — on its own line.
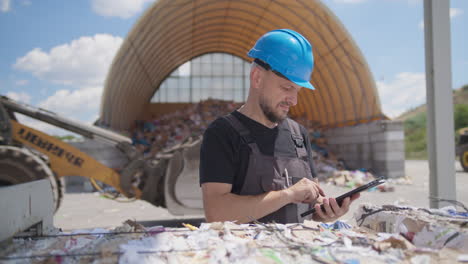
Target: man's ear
(256,77)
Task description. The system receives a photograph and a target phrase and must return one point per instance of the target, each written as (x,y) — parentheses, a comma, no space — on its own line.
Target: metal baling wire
(363,216)
(392,208)
(451,238)
(90,254)
(385,208)
(369,212)
(98,234)
(454,202)
(125,233)
(290,244)
(302,247)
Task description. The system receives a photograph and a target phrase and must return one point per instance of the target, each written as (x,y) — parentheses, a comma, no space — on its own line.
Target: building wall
(378,146)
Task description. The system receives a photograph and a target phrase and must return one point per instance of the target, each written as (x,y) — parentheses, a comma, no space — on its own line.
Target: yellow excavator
(27,154)
(462,147)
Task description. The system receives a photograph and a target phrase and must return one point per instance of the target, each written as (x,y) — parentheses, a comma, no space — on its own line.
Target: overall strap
(297,138)
(243,131)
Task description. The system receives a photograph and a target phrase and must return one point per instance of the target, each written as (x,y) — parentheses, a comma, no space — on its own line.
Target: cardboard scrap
(395,241)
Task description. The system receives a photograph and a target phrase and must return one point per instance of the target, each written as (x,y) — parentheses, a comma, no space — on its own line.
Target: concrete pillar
(440,125)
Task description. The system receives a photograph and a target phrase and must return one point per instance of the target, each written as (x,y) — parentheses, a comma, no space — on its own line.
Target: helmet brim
(304,84)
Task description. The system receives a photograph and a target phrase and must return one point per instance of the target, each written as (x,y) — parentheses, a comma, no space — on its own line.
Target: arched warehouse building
(173,32)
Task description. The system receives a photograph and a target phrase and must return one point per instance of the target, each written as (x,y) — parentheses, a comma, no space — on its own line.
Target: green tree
(415,137)
(415,126)
(461,115)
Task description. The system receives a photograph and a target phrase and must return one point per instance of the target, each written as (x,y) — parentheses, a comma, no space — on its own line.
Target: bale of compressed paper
(227,242)
(430,228)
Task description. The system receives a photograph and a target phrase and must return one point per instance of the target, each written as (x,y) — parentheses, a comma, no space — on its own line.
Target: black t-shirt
(224,157)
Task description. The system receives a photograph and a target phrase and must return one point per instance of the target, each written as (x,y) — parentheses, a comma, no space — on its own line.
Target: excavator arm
(20,145)
(66,160)
(168,180)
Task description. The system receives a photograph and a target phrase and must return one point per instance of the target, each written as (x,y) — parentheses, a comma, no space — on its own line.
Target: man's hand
(304,191)
(332,210)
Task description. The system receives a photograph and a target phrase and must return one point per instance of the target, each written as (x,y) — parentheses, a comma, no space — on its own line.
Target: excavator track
(20,165)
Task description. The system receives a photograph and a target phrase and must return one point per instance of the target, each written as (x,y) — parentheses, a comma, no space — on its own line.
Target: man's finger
(328,209)
(321,192)
(319,212)
(307,198)
(320,199)
(318,191)
(335,207)
(345,205)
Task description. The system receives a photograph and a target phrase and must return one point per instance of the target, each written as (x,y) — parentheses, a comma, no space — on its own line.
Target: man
(255,163)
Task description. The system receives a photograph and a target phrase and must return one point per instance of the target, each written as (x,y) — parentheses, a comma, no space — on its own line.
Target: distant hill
(415,124)
(460,96)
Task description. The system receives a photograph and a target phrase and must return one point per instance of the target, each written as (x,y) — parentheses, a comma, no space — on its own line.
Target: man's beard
(269,112)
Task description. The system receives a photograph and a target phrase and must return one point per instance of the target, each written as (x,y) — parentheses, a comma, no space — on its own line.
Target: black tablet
(340,198)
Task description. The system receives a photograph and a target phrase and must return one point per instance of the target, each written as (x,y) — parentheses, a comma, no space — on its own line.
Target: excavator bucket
(182,187)
(172,180)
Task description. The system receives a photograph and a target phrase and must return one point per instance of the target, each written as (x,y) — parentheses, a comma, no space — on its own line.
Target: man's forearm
(243,208)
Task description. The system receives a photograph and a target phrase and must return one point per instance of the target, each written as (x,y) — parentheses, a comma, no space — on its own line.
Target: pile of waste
(161,136)
(356,178)
(332,170)
(387,234)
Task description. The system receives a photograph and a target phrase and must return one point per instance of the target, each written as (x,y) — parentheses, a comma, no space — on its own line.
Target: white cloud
(454,12)
(119,8)
(5,5)
(21,96)
(26,2)
(78,104)
(21,82)
(406,90)
(415,2)
(42,126)
(82,62)
(81,105)
(421,24)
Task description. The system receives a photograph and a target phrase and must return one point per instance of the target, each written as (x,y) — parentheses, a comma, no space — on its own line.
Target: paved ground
(89,210)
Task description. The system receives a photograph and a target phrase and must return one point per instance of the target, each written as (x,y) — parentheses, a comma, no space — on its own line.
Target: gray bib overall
(267,173)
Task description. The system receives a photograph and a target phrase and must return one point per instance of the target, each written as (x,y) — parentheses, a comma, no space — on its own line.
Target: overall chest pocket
(286,172)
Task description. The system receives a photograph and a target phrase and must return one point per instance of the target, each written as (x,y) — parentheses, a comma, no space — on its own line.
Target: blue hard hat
(288,53)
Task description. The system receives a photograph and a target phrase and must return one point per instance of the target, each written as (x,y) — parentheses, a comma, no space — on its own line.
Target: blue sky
(55,54)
